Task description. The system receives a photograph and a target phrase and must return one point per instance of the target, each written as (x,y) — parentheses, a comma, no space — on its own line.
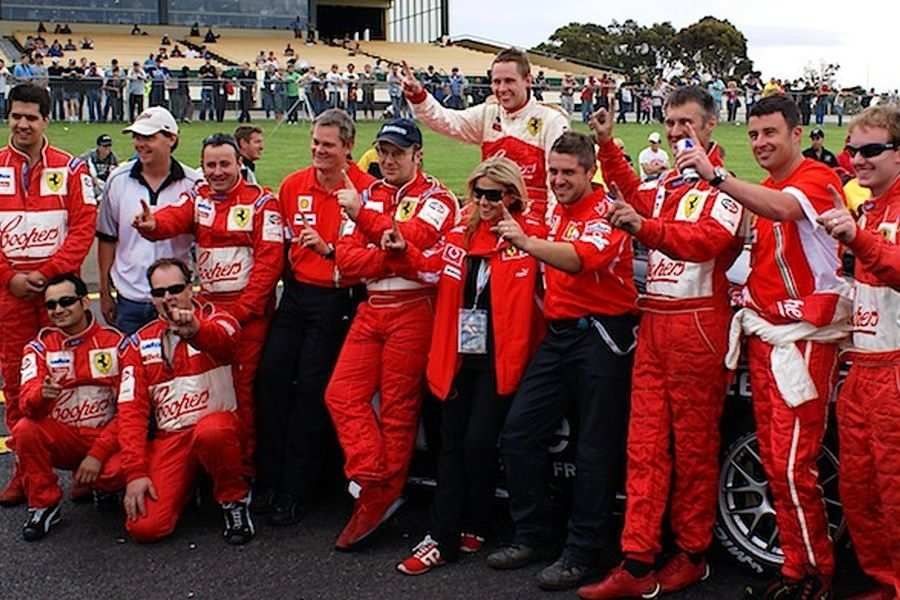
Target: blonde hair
(879,117)
(502,171)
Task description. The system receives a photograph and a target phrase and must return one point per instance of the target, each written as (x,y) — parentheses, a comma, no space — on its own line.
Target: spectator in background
(176,52)
(657,94)
(288,51)
(93,82)
(587,98)
(87,43)
(55,73)
(838,107)
(292,91)
(333,84)
(716,89)
(823,93)
(181,98)
(195,30)
(625,102)
(40,76)
(457,83)
(367,82)
(604,89)
(732,100)
(352,95)
(567,94)
(399,107)
(772,88)
(55,50)
(268,89)
(165,41)
(113,86)
(247,85)
(70,46)
(136,79)
(207,73)
(351,80)
(4,87)
(539,85)
(72,90)
(221,89)
(653,160)
(817,150)
(210,37)
(135,30)
(250,146)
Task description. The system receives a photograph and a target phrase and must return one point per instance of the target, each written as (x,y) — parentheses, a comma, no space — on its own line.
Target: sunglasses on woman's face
(172,290)
(64,302)
(489,195)
(869,150)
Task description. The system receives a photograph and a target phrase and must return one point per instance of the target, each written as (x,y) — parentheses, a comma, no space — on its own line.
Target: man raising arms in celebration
(680,380)
(796,307)
(45,195)
(510,123)
(387,346)
(869,404)
(240,253)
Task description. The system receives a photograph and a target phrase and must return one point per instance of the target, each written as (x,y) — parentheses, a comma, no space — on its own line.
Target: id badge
(472,331)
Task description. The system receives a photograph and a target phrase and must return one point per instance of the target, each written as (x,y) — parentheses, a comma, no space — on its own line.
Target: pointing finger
(837,198)
(348,183)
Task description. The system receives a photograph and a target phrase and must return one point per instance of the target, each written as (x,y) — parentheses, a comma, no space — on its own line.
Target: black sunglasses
(64,302)
(869,150)
(489,195)
(173,290)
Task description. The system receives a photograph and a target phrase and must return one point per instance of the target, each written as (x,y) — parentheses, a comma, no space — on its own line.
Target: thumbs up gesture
(510,230)
(144,220)
(838,221)
(348,198)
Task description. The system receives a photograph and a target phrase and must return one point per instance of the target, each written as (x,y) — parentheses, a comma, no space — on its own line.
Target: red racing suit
(869,404)
(679,380)
(794,279)
(387,346)
(524,136)
(517,320)
(240,255)
(186,387)
(47,217)
(81,422)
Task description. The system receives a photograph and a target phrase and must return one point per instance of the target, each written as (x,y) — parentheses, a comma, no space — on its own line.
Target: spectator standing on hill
(136,80)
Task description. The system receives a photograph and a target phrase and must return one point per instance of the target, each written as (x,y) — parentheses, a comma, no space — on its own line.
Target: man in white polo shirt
(156,179)
(653,160)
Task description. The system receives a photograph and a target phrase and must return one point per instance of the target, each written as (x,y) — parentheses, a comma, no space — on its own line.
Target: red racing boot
(14,494)
(470,543)
(621,584)
(375,505)
(681,572)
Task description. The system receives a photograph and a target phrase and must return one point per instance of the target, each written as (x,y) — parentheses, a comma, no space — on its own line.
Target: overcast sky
(783,36)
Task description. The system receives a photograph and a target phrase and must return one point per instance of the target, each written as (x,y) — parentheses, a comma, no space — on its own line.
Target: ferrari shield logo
(240,218)
(534,125)
(571,233)
(406,209)
(691,205)
(889,231)
(53,181)
(103,363)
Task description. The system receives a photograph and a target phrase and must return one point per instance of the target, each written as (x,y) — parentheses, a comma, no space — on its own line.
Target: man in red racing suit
(679,381)
(868,408)
(179,367)
(511,123)
(70,376)
(47,216)
(387,346)
(240,255)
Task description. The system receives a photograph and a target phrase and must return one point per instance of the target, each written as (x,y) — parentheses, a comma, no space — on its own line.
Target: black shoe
(285,511)
(39,522)
(238,523)
(812,587)
(107,502)
(262,502)
(566,573)
(514,556)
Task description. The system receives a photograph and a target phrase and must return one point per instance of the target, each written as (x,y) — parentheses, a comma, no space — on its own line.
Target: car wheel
(745,525)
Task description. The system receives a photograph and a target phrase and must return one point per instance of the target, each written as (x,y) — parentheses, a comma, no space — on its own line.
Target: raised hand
(52,387)
(695,157)
(838,221)
(392,240)
(310,238)
(601,123)
(510,230)
(183,322)
(348,198)
(411,85)
(144,220)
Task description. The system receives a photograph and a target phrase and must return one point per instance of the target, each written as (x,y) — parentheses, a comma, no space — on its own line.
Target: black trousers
(294,432)
(471,420)
(135,106)
(573,366)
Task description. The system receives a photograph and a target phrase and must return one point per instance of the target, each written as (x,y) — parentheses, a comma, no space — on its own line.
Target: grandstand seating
(127,48)
(243,45)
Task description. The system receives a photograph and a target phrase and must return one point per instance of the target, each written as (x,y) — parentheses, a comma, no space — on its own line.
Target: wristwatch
(330,254)
(720,174)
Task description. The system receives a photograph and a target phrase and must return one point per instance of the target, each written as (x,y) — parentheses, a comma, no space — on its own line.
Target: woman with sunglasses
(487,324)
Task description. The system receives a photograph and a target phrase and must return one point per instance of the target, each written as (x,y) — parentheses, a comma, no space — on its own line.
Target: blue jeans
(3,106)
(131,315)
(206,104)
(587,109)
(93,102)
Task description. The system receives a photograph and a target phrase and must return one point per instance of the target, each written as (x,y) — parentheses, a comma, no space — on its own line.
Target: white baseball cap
(153,120)
(654,138)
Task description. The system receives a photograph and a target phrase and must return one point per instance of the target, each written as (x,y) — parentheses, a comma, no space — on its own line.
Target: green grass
(287,148)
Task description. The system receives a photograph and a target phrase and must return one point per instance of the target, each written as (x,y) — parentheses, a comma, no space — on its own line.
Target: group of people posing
(515,307)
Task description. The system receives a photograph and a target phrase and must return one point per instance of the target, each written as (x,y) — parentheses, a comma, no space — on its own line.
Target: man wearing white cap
(654,161)
(154,178)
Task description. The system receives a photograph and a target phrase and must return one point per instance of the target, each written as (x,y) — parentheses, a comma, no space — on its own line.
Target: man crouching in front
(179,367)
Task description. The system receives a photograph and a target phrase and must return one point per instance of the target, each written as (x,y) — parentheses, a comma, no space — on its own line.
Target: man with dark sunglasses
(868,409)
(70,376)
(47,217)
(179,368)
(796,310)
(239,254)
